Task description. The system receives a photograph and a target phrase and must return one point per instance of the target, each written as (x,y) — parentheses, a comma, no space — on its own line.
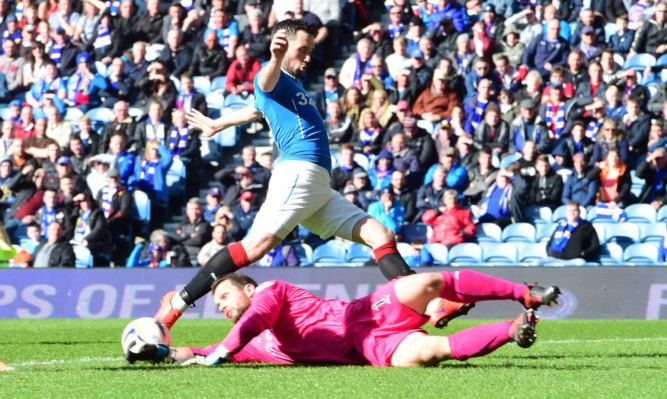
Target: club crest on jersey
(384,301)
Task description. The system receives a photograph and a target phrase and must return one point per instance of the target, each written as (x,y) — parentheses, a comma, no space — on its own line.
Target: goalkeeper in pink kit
(277,322)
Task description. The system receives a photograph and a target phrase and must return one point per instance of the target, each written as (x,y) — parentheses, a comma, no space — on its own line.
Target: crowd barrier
(638,292)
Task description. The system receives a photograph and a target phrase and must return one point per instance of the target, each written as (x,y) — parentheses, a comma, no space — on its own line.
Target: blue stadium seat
(202,85)
(72,115)
(509,159)
(100,117)
(559,213)
(602,232)
(102,69)
(639,62)
(176,82)
(662,214)
(489,232)
(218,84)
(592,216)
(329,255)
(417,231)
(623,234)
(610,254)
(499,253)
(466,253)
(304,253)
(83,256)
(531,253)
(544,232)
(439,252)
(359,253)
(135,112)
(141,211)
(175,179)
(538,214)
(519,232)
(652,232)
(234,101)
(642,254)
(640,213)
(404,249)
(362,160)
(215,100)
(4,113)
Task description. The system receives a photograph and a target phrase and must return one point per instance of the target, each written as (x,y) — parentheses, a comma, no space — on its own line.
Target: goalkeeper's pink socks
(480,340)
(467,286)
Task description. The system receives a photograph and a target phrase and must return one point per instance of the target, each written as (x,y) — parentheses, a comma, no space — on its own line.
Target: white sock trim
(178,303)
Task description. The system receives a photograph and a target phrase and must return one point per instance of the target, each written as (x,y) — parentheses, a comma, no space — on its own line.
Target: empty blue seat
(489,232)
(509,159)
(218,84)
(417,231)
(653,232)
(623,234)
(640,213)
(83,256)
(362,160)
(499,253)
(141,212)
(175,178)
(466,253)
(329,255)
(602,232)
(544,232)
(662,214)
(610,254)
(215,100)
(304,253)
(404,249)
(531,253)
(538,214)
(642,254)
(439,252)
(359,253)
(202,84)
(519,232)
(639,62)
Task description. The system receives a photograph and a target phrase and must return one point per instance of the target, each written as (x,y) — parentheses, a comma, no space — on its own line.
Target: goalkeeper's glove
(141,351)
(219,356)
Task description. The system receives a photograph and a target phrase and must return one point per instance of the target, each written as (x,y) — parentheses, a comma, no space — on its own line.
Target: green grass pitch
(571,359)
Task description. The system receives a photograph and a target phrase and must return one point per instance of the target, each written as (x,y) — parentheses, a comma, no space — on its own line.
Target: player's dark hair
(291,26)
(237,279)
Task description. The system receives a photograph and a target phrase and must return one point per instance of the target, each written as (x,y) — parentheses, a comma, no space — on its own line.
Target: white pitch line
(82,360)
(116,359)
(577,341)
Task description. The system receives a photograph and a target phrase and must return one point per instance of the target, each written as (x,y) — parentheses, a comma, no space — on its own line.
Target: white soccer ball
(145,329)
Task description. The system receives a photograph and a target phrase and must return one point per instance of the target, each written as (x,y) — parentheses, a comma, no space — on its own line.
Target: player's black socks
(393,265)
(218,265)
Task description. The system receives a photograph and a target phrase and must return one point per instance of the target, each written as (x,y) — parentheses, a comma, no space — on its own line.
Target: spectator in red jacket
(451,224)
(241,72)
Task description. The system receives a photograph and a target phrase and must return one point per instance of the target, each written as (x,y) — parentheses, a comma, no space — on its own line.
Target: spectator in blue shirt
(546,50)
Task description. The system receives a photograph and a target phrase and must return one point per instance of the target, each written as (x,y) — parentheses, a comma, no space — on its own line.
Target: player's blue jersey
(297,126)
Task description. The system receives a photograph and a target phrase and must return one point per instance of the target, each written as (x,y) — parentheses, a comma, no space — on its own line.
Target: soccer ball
(145,329)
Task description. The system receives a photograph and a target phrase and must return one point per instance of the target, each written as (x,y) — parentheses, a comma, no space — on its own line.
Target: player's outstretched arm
(209,127)
(269,75)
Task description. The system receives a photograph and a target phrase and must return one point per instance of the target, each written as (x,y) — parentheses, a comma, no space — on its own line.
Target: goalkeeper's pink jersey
(286,324)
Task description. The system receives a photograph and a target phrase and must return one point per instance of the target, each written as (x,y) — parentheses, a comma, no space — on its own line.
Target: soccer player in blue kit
(299,190)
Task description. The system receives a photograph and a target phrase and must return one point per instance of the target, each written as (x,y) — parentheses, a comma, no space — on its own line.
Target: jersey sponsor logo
(384,301)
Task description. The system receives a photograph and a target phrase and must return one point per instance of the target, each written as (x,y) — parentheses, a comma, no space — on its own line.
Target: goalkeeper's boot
(538,295)
(141,351)
(167,314)
(523,330)
(447,311)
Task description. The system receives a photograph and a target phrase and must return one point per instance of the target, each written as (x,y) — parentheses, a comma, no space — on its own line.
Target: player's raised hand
(279,45)
(197,120)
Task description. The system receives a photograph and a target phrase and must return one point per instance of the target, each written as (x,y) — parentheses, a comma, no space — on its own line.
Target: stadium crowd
(446,114)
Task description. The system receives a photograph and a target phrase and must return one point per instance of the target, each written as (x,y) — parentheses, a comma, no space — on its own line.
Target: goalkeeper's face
(232,300)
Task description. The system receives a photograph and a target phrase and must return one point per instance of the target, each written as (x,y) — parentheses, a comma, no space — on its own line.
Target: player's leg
(286,204)
(421,349)
(381,239)
(228,260)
